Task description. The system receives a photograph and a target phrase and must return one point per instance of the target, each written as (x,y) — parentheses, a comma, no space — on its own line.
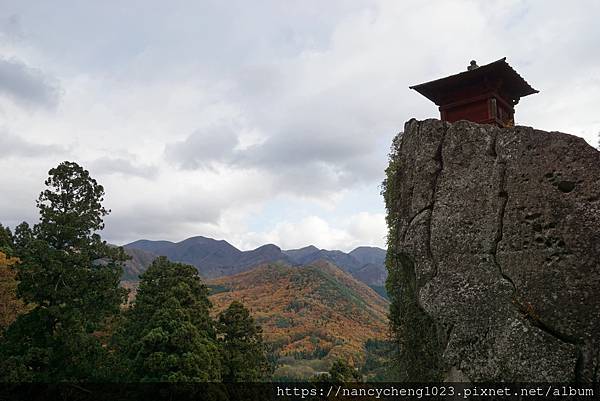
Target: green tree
(6,240)
(376,367)
(168,334)
(23,236)
(339,372)
(244,353)
(71,277)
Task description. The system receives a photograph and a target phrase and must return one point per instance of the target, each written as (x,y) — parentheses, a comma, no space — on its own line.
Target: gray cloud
(156,221)
(298,147)
(316,147)
(314,163)
(324,84)
(203,148)
(11,145)
(10,28)
(109,165)
(26,85)
(311,162)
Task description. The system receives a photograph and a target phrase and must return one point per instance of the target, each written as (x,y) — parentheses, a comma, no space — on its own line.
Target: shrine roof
(513,84)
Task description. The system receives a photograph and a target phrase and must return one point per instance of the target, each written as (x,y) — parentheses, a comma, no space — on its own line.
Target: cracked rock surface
(503,227)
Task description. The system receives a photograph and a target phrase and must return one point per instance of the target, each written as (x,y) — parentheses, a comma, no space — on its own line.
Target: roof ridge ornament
(472,66)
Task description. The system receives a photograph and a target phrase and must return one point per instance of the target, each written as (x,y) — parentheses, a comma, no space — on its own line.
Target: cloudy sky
(260,121)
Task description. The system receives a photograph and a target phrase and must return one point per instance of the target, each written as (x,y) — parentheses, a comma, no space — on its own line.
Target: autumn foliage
(10,305)
(311,312)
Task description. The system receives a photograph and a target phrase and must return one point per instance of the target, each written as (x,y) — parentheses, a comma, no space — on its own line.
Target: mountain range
(218,258)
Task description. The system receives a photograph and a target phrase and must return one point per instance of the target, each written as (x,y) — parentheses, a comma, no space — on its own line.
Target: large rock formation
(500,231)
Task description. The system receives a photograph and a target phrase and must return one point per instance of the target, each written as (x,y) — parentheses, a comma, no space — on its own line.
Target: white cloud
(368,229)
(199,117)
(354,230)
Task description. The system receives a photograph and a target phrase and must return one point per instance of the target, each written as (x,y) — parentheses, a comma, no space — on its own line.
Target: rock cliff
(494,252)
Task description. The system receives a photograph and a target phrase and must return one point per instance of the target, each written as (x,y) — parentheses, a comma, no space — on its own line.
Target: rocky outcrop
(501,230)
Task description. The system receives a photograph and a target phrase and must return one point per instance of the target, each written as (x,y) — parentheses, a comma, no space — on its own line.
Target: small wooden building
(486,94)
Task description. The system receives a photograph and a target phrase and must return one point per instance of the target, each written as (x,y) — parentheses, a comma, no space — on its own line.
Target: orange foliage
(309,312)
(10,305)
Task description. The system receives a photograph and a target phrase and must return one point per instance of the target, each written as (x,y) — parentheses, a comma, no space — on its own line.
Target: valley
(314,305)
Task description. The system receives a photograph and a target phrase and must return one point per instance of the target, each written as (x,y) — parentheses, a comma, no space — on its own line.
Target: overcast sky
(260,121)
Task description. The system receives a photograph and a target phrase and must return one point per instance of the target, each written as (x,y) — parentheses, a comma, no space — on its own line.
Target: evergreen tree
(341,372)
(23,236)
(6,240)
(71,277)
(168,334)
(244,354)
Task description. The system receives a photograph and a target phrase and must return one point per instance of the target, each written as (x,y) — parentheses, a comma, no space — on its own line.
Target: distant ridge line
(217,258)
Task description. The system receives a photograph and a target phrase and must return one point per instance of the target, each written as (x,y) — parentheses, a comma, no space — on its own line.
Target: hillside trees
(168,334)
(60,274)
(339,372)
(376,367)
(10,305)
(244,353)
(8,282)
(8,289)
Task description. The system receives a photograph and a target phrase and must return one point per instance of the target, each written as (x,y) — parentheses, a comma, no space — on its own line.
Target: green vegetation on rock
(417,346)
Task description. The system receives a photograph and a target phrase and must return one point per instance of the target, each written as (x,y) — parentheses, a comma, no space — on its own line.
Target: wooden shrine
(485,95)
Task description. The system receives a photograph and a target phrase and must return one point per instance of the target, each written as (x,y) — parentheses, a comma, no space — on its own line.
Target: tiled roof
(514,84)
